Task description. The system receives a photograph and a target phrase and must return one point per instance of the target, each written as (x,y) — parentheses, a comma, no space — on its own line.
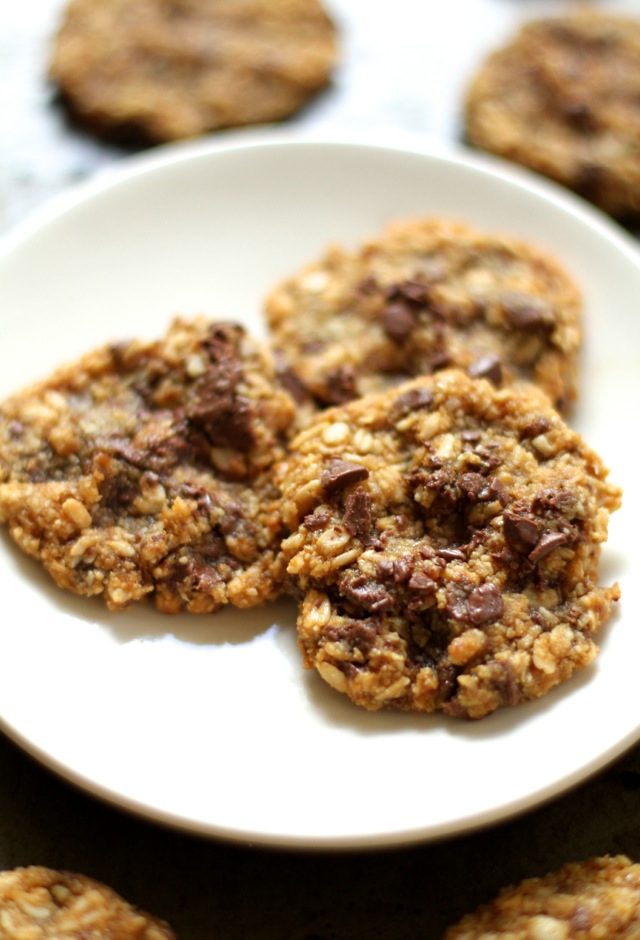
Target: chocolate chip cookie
(162,70)
(596,898)
(425,295)
(563,98)
(444,543)
(37,903)
(144,470)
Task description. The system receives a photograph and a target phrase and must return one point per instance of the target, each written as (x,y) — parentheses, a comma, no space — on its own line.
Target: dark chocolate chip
(357,513)
(339,473)
(368,286)
(487,367)
(534,427)
(214,407)
(440,360)
(497,490)
(399,320)
(452,554)
(340,385)
(402,568)
(472,485)
(290,380)
(413,400)
(485,604)
(420,581)
(580,116)
(546,544)
(224,417)
(521,531)
(414,290)
(525,312)
(580,920)
(316,520)
(370,595)
(385,569)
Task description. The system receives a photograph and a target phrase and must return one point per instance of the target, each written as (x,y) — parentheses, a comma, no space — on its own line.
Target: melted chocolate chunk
(224,418)
(444,484)
(580,116)
(504,680)
(215,407)
(415,290)
(340,385)
(316,520)
(412,400)
(357,513)
(399,320)
(472,485)
(546,545)
(290,380)
(452,554)
(339,473)
(369,595)
(485,604)
(497,490)
(525,312)
(402,568)
(487,367)
(520,531)
(421,582)
(538,425)
(359,634)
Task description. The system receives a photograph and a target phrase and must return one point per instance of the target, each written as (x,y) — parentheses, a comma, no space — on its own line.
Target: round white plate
(210,723)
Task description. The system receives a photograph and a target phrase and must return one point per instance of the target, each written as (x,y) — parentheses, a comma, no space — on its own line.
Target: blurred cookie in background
(563,98)
(596,898)
(160,70)
(38,903)
(422,295)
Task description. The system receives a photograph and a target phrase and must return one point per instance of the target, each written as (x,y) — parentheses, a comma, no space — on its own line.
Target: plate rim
(156,160)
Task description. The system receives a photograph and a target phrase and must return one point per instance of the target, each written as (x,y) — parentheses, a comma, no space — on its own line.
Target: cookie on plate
(562,98)
(162,70)
(144,469)
(39,903)
(597,898)
(444,544)
(421,296)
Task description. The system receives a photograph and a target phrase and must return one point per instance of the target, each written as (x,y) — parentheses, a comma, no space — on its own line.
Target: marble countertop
(403,68)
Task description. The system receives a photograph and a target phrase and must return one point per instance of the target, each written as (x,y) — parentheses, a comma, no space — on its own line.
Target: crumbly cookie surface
(144,470)
(424,295)
(591,900)
(444,544)
(37,903)
(160,70)
(562,98)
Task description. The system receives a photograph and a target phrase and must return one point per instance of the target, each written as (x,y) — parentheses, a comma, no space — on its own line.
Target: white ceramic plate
(209,723)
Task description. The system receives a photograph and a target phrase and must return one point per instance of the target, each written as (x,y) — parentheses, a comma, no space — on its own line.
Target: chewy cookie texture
(598,899)
(444,544)
(143,470)
(561,97)
(150,71)
(425,295)
(38,903)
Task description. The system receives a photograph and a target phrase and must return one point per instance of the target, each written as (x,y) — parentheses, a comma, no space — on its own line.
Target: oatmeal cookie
(424,295)
(144,469)
(563,98)
(591,900)
(38,903)
(161,70)
(444,544)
